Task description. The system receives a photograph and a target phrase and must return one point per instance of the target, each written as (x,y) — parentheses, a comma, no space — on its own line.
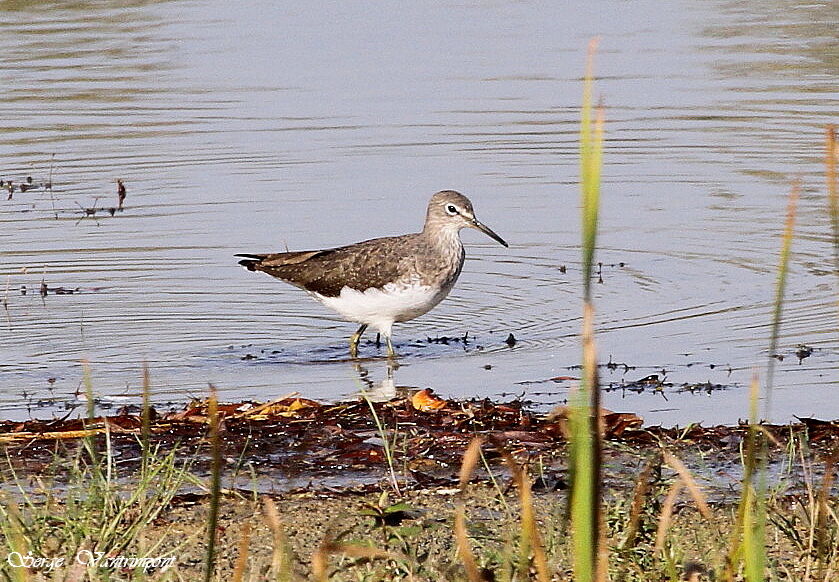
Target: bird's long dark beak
(488,231)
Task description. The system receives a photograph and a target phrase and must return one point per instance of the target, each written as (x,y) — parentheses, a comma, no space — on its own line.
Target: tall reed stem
(215,485)
(585,446)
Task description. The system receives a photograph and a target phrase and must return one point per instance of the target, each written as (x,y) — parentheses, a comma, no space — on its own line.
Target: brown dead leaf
(288,406)
(426,401)
(614,424)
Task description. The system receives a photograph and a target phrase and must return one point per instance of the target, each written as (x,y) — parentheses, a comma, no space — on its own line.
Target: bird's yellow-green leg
(391,353)
(355,338)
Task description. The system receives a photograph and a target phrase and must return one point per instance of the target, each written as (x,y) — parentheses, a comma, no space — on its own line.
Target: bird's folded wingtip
(250,261)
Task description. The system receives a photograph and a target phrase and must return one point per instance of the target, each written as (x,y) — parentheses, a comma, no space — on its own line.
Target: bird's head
(450,210)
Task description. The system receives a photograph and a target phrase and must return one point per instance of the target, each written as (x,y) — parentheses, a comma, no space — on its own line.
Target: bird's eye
(451,209)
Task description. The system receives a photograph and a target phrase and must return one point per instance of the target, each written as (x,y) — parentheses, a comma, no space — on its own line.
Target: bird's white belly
(382,307)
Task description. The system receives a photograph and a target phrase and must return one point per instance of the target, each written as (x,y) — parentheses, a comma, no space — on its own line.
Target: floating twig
(120,194)
(48,186)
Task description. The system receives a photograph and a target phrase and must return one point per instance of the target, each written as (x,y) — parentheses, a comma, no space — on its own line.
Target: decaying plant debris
(302,437)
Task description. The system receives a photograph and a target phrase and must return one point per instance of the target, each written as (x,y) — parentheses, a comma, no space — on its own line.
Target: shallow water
(252,128)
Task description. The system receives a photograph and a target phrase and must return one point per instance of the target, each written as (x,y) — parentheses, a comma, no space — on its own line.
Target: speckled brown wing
(372,263)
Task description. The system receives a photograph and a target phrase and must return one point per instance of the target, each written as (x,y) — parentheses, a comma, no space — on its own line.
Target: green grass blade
(780,289)
(591,148)
(582,488)
(755,481)
(145,428)
(831,155)
(753,496)
(584,446)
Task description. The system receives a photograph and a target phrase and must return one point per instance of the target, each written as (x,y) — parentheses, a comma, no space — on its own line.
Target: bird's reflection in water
(378,390)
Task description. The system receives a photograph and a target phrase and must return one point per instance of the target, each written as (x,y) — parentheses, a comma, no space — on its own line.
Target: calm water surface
(252,127)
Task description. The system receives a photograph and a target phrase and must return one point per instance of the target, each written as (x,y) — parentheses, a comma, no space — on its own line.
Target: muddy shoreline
(369,491)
